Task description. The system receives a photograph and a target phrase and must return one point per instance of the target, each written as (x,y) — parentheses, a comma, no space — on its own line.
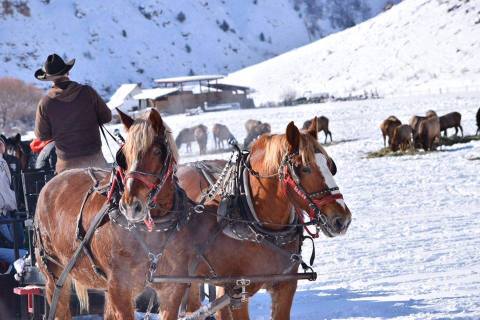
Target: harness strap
(192,268)
(71,263)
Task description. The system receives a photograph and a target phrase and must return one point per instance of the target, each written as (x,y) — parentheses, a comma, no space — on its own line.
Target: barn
(177,95)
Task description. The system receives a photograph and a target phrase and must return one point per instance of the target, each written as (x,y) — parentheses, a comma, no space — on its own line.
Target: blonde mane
(141,136)
(276,147)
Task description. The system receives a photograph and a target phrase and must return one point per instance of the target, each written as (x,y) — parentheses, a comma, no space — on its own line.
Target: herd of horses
(422,131)
(162,225)
(221,134)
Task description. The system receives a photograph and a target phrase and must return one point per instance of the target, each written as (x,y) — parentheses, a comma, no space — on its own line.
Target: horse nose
(137,206)
(133,210)
(341,223)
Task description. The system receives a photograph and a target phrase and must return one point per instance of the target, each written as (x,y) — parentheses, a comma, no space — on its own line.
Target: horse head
(305,172)
(150,159)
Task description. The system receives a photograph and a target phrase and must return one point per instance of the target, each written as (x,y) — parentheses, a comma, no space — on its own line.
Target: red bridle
(314,200)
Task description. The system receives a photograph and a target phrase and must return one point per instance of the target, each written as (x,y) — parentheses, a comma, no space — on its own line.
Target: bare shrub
(288,96)
(18,102)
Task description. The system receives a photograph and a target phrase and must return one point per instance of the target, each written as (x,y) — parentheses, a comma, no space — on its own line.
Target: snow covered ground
(412,249)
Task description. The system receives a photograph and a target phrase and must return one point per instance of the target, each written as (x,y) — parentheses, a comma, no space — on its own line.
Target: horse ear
(125,119)
(293,137)
(156,121)
(312,129)
(332,166)
(18,138)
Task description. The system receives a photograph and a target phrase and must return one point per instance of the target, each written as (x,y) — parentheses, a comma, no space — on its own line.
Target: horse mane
(141,136)
(276,147)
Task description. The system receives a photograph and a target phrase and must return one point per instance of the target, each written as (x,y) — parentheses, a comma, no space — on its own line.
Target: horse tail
(82,295)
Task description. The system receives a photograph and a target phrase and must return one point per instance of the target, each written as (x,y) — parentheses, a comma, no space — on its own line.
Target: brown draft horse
(116,251)
(274,200)
(20,150)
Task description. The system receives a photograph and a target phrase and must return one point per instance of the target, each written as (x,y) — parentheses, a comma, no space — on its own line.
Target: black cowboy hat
(54,67)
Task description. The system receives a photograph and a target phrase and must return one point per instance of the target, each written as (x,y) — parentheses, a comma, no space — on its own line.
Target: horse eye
(306,170)
(157,151)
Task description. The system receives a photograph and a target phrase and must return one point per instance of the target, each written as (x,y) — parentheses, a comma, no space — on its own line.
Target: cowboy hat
(53,68)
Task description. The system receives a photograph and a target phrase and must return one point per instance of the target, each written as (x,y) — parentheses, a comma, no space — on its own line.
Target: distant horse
(150,194)
(451,120)
(255,132)
(220,134)
(273,165)
(415,124)
(322,125)
(19,149)
(428,132)
(387,126)
(478,122)
(185,136)
(402,137)
(200,133)
(251,124)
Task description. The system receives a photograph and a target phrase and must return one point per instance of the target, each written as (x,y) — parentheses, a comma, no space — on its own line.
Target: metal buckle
(243,283)
(199,208)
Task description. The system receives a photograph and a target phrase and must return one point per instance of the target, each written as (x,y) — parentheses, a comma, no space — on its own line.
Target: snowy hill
(138,41)
(418,45)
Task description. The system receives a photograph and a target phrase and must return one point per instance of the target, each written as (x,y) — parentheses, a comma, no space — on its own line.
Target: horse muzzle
(135,211)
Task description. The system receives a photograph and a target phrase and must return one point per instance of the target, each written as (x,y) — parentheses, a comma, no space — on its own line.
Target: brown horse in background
(387,126)
(201,136)
(251,124)
(185,136)
(402,137)
(451,120)
(18,149)
(478,122)
(428,132)
(220,134)
(255,129)
(274,201)
(149,150)
(322,125)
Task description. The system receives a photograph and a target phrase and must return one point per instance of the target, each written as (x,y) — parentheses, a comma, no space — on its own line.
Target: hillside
(417,46)
(138,41)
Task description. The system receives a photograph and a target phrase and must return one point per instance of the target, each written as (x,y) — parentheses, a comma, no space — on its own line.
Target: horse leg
(282,299)
(461,129)
(63,306)
(193,298)
(170,299)
(326,135)
(118,301)
(240,313)
(330,134)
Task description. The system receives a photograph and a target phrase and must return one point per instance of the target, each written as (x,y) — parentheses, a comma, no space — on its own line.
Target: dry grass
(444,141)
(451,140)
(386,152)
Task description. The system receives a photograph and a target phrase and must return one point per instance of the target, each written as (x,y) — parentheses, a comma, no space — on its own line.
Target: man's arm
(43,129)
(104,114)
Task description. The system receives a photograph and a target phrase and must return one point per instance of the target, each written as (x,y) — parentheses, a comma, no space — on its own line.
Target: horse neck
(269,199)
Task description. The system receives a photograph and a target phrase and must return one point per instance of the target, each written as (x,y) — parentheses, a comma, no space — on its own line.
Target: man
(70,115)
